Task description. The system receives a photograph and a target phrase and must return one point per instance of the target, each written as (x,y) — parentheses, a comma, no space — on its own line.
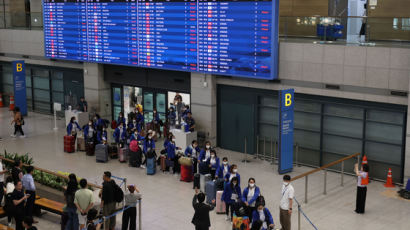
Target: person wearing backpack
(110,195)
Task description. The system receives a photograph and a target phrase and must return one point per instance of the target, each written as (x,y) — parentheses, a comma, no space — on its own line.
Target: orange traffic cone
(1,100)
(364,160)
(389,181)
(11,107)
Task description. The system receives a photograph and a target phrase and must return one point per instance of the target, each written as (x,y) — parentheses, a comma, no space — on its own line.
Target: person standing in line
(149,145)
(2,185)
(233,172)
(73,127)
(18,122)
(19,199)
(129,217)
(8,202)
(288,192)
(201,218)
(193,151)
(30,188)
(84,201)
(362,182)
(249,196)
(83,105)
(213,163)
(16,171)
(231,195)
(108,201)
(72,187)
(223,169)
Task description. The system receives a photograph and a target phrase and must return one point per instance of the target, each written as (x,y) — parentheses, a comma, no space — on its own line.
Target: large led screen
(227,37)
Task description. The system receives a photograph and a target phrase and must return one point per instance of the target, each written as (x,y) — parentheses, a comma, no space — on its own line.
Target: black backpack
(118,193)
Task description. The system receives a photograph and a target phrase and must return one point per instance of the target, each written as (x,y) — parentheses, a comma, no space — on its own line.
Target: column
(203,104)
(97,92)
(407,152)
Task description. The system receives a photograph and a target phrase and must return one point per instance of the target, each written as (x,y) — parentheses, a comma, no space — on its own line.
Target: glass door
(116,101)
(154,100)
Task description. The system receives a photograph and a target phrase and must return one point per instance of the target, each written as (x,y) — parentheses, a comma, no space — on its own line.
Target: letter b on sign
(19,67)
(288,99)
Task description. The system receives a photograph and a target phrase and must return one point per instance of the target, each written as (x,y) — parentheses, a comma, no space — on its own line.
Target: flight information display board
(227,37)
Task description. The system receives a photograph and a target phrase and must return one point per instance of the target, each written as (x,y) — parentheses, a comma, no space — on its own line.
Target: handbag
(186,161)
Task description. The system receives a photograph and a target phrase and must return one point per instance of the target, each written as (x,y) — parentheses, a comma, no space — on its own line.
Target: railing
(324,168)
(263,144)
(50,172)
(304,215)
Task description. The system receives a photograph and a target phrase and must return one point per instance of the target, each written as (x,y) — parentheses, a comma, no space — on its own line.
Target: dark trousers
(30,203)
(129,215)
(361,199)
(249,212)
(18,128)
(229,206)
(18,217)
(201,228)
(285,218)
(1,191)
(195,165)
(213,172)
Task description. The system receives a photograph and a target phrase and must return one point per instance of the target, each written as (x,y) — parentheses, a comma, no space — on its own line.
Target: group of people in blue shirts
(95,131)
(208,162)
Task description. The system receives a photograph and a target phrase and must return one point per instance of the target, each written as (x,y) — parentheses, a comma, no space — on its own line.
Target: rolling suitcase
(204,179)
(240,223)
(219,184)
(163,163)
(135,158)
(151,167)
(69,144)
(101,153)
(123,154)
(210,191)
(220,205)
(186,173)
(90,149)
(197,178)
(80,144)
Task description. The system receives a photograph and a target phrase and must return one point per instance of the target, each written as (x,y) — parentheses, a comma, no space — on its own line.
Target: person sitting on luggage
(201,216)
(129,216)
(231,195)
(121,118)
(223,169)
(171,156)
(193,151)
(263,214)
(73,127)
(249,196)
(89,132)
(101,134)
(233,172)
(213,163)
(120,134)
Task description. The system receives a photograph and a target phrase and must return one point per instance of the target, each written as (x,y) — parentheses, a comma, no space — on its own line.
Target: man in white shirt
(286,202)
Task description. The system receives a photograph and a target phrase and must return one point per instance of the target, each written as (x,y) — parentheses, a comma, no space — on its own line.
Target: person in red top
(362,182)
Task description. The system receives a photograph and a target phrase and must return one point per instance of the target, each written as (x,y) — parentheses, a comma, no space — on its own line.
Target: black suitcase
(197,177)
(219,184)
(90,149)
(135,158)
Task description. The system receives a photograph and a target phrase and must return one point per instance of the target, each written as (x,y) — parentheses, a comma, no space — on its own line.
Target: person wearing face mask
(205,153)
(156,122)
(171,156)
(121,118)
(286,201)
(213,163)
(231,195)
(136,136)
(223,169)
(89,132)
(149,145)
(133,124)
(193,151)
(73,127)
(232,174)
(249,196)
(98,122)
(120,134)
(263,215)
(101,134)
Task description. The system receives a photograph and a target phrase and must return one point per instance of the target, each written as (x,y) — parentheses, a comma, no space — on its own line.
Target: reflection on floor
(166,201)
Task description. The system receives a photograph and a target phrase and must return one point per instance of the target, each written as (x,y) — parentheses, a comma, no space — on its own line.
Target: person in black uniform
(16,171)
(201,217)
(19,199)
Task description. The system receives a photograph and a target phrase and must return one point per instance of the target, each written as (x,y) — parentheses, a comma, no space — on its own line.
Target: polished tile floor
(166,201)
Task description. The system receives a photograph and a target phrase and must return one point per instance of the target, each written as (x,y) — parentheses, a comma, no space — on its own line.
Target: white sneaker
(227,218)
(23,136)
(143,166)
(12,135)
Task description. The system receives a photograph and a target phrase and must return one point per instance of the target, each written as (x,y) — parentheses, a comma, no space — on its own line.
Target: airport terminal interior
(309,98)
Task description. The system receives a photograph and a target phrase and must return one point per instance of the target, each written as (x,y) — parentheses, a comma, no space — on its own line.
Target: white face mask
(103,129)
(213,156)
(173,140)
(136,134)
(251,185)
(234,184)
(286,183)
(149,137)
(235,170)
(260,210)
(90,123)
(208,146)
(120,127)
(225,162)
